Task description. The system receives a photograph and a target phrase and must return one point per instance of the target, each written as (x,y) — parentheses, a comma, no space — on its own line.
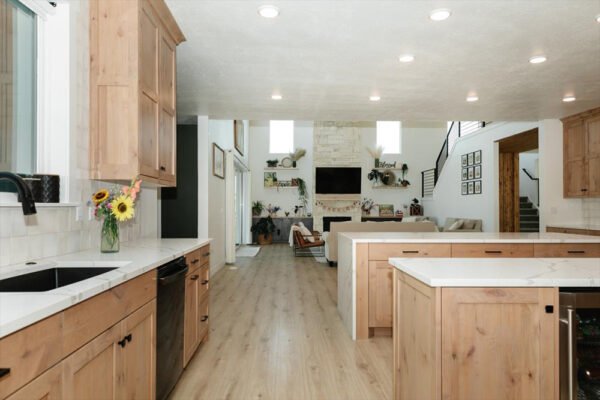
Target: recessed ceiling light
(598,18)
(406,58)
(537,59)
(277,97)
(374,98)
(268,11)
(568,99)
(440,14)
(472,99)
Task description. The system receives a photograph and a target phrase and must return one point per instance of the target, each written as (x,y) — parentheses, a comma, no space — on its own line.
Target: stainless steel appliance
(170,301)
(579,344)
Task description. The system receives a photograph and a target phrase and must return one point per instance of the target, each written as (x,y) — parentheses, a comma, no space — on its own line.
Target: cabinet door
(148,138)
(190,330)
(167,108)
(94,371)
(203,314)
(149,42)
(575,171)
(380,294)
(47,386)
(593,156)
(499,343)
(139,355)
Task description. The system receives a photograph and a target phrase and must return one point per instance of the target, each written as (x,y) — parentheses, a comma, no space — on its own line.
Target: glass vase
(109,241)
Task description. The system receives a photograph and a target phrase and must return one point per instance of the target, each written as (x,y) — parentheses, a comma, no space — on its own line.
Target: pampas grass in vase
(376,154)
(296,155)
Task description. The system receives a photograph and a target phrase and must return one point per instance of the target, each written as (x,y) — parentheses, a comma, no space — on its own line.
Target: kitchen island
(481,328)
(365,275)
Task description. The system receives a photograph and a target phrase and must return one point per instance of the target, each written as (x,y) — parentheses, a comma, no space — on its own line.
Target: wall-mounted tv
(337,180)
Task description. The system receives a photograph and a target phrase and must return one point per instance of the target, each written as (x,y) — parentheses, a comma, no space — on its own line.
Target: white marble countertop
(467,237)
(576,225)
(18,310)
(502,272)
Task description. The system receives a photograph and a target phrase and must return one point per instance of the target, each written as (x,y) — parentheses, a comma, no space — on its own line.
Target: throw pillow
(469,224)
(305,231)
(456,225)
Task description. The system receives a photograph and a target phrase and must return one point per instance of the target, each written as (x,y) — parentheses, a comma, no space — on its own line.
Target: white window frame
(380,140)
(276,150)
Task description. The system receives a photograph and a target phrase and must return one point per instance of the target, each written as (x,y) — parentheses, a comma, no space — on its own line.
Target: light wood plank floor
(275,333)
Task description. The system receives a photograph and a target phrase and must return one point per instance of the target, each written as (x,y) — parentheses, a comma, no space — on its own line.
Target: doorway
(516,208)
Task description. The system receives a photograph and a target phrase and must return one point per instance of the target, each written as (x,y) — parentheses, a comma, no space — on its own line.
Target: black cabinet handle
(549,309)
(207,254)
(122,343)
(204,318)
(4,372)
(195,261)
(128,337)
(410,251)
(493,252)
(194,277)
(162,168)
(205,282)
(576,252)
(584,190)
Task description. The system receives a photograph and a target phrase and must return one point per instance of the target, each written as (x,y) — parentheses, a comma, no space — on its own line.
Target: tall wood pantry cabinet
(133,90)
(581,154)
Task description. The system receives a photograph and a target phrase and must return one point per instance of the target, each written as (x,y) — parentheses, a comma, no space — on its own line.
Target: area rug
(247,251)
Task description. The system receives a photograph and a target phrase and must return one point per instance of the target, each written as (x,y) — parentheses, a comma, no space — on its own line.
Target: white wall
(259,154)
(529,187)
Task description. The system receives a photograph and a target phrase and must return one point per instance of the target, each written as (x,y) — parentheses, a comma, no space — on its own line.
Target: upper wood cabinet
(132,90)
(581,154)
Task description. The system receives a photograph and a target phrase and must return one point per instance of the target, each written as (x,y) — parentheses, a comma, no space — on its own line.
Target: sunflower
(100,196)
(122,208)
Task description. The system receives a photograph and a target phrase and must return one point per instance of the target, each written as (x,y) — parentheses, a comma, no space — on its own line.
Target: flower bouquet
(114,206)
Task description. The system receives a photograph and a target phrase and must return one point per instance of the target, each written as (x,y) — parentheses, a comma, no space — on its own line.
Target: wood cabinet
(485,250)
(132,90)
(497,343)
(581,154)
(197,289)
(380,294)
(102,348)
(567,250)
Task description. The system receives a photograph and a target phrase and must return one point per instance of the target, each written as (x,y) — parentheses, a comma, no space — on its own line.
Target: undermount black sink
(48,279)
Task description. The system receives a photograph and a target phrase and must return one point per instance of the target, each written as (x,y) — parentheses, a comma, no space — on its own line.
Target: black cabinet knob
(195,261)
(205,282)
(194,277)
(162,168)
(204,318)
(4,372)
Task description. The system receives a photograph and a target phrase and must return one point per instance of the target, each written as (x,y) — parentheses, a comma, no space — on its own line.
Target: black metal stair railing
(456,130)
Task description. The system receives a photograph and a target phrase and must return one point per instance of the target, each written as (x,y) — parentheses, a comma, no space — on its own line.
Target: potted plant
(374,175)
(403,181)
(302,194)
(367,205)
(272,210)
(296,155)
(257,208)
(264,229)
(272,163)
(376,154)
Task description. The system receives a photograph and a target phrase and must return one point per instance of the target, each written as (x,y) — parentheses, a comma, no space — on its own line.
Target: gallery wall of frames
(471,173)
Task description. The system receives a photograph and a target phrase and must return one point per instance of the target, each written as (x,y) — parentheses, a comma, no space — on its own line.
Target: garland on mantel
(355,204)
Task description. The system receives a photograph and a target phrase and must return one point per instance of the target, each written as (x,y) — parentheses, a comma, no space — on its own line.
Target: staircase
(529,220)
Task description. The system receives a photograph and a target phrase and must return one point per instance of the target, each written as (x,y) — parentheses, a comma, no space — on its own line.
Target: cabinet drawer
(27,353)
(203,316)
(197,258)
(383,251)
(492,250)
(567,250)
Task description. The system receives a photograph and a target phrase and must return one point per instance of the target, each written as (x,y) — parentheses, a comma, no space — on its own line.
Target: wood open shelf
(387,169)
(280,169)
(281,187)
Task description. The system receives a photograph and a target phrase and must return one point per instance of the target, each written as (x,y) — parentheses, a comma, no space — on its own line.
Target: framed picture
(465,174)
(386,210)
(471,187)
(470,158)
(463,160)
(477,172)
(463,188)
(478,157)
(470,173)
(238,135)
(218,162)
(477,187)
(270,179)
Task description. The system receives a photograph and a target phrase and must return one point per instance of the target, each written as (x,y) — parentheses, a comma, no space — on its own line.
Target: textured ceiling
(327,57)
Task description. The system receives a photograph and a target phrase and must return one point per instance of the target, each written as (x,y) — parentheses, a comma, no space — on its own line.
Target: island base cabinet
(474,343)
(48,386)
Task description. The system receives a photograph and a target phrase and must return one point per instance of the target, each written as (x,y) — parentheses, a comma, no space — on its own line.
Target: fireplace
(328,220)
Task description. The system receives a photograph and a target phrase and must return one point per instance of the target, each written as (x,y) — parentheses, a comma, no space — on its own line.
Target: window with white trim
(281,137)
(389,136)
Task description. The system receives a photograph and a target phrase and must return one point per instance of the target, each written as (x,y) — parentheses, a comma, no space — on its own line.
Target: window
(18,56)
(281,137)
(388,136)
